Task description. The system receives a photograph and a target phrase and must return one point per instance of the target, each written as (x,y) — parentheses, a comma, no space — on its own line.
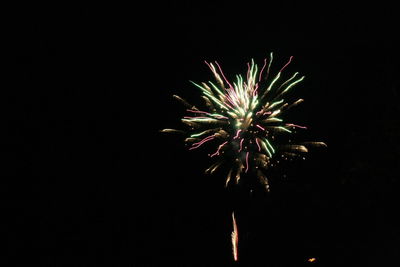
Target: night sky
(87,179)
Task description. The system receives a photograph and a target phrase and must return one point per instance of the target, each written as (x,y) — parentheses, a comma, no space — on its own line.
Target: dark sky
(87,179)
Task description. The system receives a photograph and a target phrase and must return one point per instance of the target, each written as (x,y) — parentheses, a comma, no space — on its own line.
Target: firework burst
(242,119)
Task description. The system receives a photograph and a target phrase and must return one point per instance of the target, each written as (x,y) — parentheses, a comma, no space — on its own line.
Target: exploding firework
(243,119)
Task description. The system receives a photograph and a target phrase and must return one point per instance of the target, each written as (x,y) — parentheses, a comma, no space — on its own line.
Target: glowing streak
(262,112)
(317,144)
(237,133)
(248,70)
(247,162)
(171,131)
(219,148)
(292,84)
(275,103)
(272,120)
(197,111)
(269,65)
(294,125)
(258,144)
(284,129)
(234,238)
(197,119)
(220,116)
(266,149)
(241,144)
(215,73)
(290,60)
(194,118)
(196,145)
(260,127)
(200,134)
(272,83)
(220,70)
(283,84)
(255,92)
(262,69)
(275,113)
(270,146)
(184,102)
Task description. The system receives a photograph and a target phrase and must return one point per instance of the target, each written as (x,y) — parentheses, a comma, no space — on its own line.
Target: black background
(87,179)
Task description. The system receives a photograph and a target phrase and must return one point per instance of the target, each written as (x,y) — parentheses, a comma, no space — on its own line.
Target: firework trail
(235,238)
(242,120)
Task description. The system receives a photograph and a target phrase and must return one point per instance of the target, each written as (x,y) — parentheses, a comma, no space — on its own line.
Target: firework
(242,120)
(234,238)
